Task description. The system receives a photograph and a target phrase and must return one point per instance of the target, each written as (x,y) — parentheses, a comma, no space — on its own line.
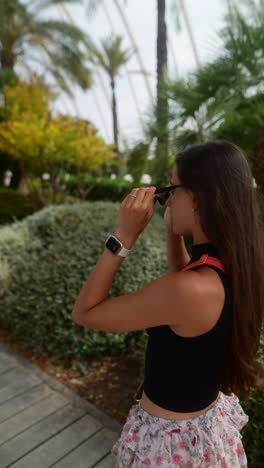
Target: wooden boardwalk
(44,424)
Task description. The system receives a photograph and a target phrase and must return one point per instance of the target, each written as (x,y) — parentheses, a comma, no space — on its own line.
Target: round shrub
(46,258)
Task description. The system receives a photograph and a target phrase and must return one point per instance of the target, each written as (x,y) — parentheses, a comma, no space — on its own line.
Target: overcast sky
(206,19)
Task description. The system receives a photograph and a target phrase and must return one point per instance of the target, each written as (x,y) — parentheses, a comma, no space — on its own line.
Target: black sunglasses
(162,194)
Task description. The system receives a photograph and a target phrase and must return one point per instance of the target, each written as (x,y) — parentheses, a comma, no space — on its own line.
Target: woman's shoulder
(207,295)
(209,280)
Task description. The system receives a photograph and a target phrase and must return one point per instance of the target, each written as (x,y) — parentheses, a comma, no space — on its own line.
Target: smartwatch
(115,246)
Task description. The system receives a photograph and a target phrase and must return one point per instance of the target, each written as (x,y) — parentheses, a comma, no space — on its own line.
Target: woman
(203,318)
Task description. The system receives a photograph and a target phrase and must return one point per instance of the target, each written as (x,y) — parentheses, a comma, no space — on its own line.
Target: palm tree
(162,163)
(96,71)
(112,57)
(130,81)
(224,99)
(92,6)
(58,47)
(162,56)
(161,159)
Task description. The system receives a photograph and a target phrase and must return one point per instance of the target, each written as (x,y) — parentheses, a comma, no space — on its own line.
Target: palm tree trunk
(161,163)
(7,65)
(161,44)
(7,57)
(115,121)
(130,81)
(114,110)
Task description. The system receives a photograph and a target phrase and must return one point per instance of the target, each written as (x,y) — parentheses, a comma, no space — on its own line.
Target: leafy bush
(100,189)
(42,143)
(137,160)
(253,432)
(44,261)
(14,205)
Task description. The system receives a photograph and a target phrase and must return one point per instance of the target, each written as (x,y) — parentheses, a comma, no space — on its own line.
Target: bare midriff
(156,410)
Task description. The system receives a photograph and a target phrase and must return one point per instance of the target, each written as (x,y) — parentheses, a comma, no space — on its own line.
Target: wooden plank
(107,462)
(90,452)
(4,366)
(17,375)
(56,447)
(15,382)
(7,362)
(30,416)
(23,401)
(31,447)
(41,430)
(6,358)
(16,388)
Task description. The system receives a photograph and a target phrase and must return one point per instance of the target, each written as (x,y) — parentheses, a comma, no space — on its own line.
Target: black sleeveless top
(182,373)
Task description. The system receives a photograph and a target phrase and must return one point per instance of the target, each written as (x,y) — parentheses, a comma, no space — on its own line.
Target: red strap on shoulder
(206,260)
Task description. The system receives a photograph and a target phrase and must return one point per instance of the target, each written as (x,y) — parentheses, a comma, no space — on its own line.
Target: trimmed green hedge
(46,258)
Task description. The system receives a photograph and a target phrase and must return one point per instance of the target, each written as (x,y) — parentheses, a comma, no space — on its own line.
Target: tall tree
(112,57)
(161,163)
(42,143)
(57,47)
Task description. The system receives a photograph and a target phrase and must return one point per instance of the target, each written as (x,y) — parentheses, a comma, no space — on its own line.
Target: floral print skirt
(212,439)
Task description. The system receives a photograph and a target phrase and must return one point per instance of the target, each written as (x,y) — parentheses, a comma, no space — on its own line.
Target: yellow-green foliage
(27,99)
(45,144)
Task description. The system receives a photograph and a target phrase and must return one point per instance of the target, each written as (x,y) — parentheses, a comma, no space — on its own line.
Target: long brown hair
(218,173)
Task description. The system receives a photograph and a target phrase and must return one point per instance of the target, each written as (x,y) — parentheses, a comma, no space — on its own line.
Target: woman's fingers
(143,197)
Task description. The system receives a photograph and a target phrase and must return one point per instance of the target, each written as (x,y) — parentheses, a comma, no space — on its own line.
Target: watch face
(113,245)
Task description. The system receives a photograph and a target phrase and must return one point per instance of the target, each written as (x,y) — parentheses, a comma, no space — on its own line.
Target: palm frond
(224,98)
(61,81)
(63,43)
(46,71)
(39,5)
(185,138)
(71,63)
(8,9)
(64,30)
(113,57)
